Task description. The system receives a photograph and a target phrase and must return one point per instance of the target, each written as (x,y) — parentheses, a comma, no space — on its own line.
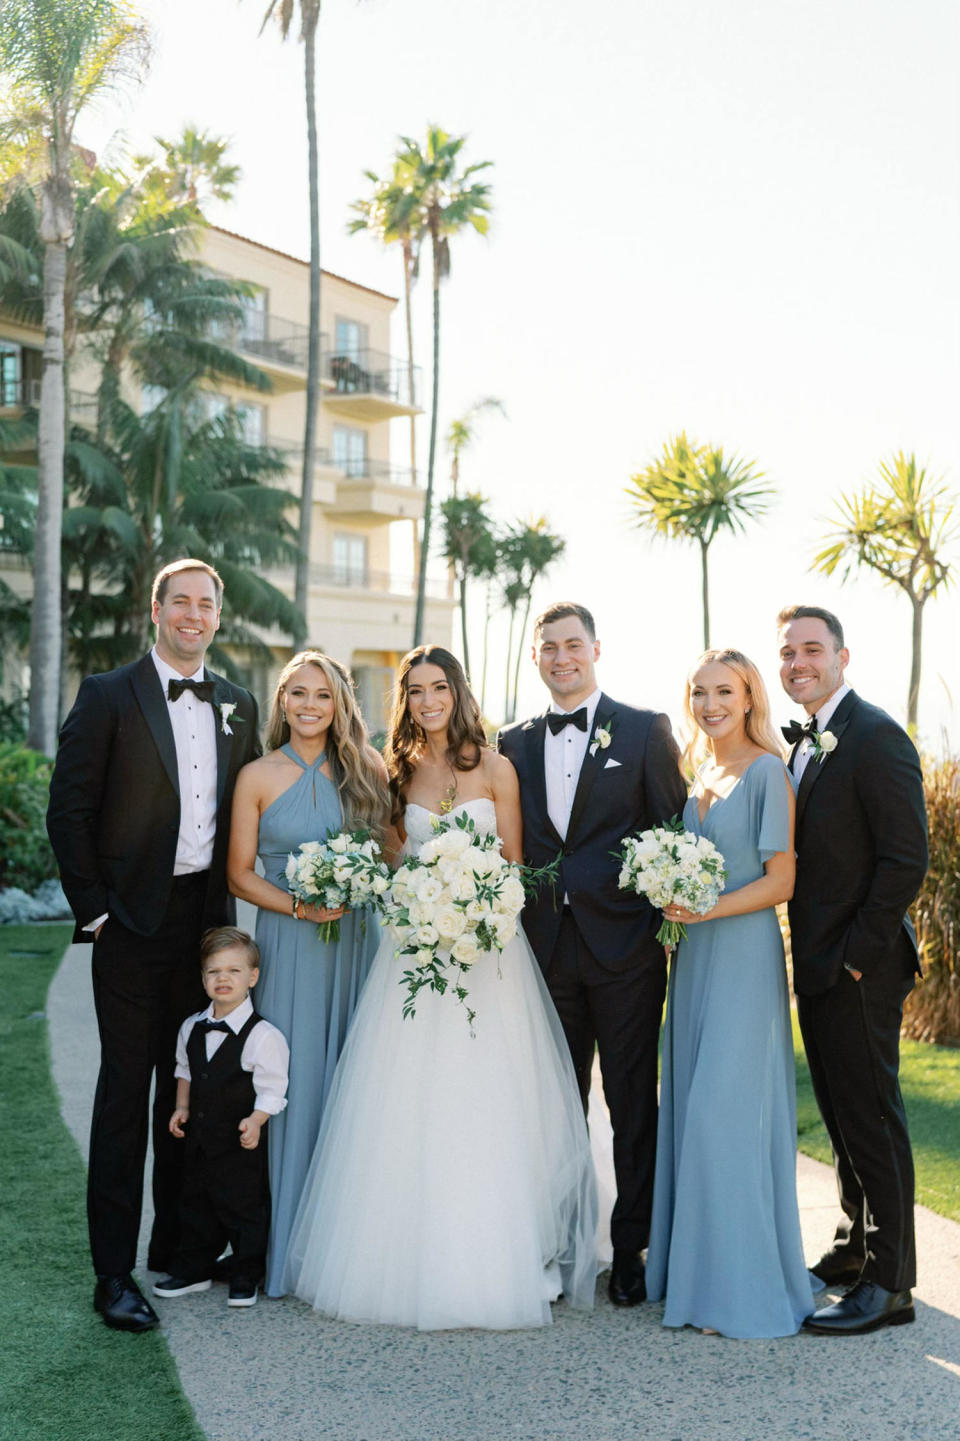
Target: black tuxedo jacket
(114,808)
(645,789)
(861,850)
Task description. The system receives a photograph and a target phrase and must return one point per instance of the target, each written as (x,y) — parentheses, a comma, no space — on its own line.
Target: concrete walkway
(278,1372)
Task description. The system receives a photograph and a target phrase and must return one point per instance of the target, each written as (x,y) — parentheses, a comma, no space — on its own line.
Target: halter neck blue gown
(725,1247)
(308,989)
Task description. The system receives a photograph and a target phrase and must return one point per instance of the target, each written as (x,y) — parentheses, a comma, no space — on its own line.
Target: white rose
(291,869)
(427,935)
(465,949)
(423,957)
(449,921)
(430,889)
(451,843)
(828,742)
(380,884)
(338,844)
(310,848)
(505,928)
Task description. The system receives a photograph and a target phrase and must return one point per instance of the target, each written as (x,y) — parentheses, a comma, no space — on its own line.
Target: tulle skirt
(452,1183)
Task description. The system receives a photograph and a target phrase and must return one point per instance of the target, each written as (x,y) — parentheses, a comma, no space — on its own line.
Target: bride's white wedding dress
(452,1183)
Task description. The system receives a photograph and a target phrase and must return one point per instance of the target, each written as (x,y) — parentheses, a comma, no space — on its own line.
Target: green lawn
(65,1377)
(930,1081)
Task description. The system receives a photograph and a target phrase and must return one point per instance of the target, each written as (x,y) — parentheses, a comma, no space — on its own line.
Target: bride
(451,1184)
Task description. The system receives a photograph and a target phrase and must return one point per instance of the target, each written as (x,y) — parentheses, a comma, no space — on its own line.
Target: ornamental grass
(933,1008)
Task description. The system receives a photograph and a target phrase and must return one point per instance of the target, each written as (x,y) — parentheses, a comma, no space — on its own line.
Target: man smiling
(139,819)
(861,855)
(592,770)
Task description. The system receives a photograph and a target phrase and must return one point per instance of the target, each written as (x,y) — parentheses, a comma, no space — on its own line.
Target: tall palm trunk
(431,455)
(507,712)
(519,655)
(704,591)
(463,616)
(411,387)
(46,635)
(486,649)
(913,695)
(302,581)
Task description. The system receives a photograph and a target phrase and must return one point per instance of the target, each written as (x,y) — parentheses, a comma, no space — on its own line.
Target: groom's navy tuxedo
(113,822)
(598,951)
(861,857)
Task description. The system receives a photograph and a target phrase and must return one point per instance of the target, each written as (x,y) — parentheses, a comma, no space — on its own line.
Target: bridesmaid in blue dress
(319,774)
(725,1247)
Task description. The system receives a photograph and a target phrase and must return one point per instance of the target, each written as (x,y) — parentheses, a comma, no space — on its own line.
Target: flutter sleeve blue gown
(725,1246)
(308,989)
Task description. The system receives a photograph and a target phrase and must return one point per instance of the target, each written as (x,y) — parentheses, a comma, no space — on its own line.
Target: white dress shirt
(821,722)
(265,1054)
(563,756)
(195,736)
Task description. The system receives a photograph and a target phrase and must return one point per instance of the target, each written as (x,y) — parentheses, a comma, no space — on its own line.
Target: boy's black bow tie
(556,720)
(794,733)
(202,689)
(214,1026)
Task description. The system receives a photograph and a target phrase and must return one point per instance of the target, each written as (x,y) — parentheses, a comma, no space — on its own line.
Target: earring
(283,714)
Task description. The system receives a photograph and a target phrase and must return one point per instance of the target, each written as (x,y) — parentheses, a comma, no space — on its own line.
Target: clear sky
(742,219)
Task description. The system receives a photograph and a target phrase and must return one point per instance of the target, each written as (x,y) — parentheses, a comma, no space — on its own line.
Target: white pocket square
(610,764)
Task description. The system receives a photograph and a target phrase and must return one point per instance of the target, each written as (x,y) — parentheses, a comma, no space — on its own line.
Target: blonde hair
(364,797)
(758,725)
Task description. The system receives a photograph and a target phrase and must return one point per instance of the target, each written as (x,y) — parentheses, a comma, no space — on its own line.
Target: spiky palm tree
(463,432)
(691,492)
(450,202)
(528,550)
(283,12)
(56,59)
(471,547)
(902,528)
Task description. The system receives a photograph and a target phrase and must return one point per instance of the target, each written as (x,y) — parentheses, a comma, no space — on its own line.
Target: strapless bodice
(419,821)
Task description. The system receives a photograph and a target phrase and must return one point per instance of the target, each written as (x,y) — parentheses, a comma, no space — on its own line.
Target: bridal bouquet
(455,901)
(671,866)
(343,870)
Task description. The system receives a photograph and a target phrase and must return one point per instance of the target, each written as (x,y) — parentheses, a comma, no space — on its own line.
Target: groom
(592,770)
(139,821)
(861,856)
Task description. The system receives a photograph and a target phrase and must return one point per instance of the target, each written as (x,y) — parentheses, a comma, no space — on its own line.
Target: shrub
(933,1008)
(26,859)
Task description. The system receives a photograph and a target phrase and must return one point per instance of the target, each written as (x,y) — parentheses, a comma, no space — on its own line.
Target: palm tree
(527,551)
(392,213)
(194,170)
(690,492)
(283,12)
(56,59)
(901,528)
(449,203)
(470,546)
(463,432)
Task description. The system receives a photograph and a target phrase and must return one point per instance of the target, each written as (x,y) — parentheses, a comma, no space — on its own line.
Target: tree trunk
(519,655)
(913,695)
(431,455)
(507,715)
(705,593)
(463,620)
(411,388)
(46,637)
(486,650)
(302,583)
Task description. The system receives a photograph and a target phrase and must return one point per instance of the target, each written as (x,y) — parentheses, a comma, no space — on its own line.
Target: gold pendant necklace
(449,796)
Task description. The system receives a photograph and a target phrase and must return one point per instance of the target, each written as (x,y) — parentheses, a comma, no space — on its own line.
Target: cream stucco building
(365,505)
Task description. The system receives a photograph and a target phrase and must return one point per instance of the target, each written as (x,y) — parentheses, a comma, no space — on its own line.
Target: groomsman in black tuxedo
(591,770)
(139,821)
(861,856)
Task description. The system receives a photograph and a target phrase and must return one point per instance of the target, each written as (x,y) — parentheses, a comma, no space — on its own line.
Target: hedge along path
(65,1376)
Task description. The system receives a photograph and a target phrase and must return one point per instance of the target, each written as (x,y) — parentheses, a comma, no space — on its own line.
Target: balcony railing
(382,582)
(274,339)
(353,467)
(371,372)
(17,394)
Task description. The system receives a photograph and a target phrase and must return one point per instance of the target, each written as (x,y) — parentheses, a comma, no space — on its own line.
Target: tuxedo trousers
(618,1014)
(144,987)
(225,1197)
(851,1034)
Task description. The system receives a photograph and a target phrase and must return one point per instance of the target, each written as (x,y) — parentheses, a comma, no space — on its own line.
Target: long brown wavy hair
(364,796)
(759,727)
(465,734)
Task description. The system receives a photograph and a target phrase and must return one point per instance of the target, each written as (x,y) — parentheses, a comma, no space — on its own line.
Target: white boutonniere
(226,709)
(823,743)
(601,739)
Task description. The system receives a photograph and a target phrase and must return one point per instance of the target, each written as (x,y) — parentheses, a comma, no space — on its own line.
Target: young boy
(231,1078)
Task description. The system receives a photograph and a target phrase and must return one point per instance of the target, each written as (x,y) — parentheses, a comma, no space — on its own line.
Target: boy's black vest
(221,1091)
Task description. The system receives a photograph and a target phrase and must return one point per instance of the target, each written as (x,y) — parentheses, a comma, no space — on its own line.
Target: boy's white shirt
(265,1054)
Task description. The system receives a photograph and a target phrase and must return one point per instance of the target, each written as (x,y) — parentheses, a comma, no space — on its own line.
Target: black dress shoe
(122,1305)
(838,1269)
(243,1291)
(628,1280)
(866,1308)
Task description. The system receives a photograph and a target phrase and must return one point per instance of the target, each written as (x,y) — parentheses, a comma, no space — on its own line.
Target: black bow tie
(556,720)
(214,1026)
(794,733)
(202,689)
